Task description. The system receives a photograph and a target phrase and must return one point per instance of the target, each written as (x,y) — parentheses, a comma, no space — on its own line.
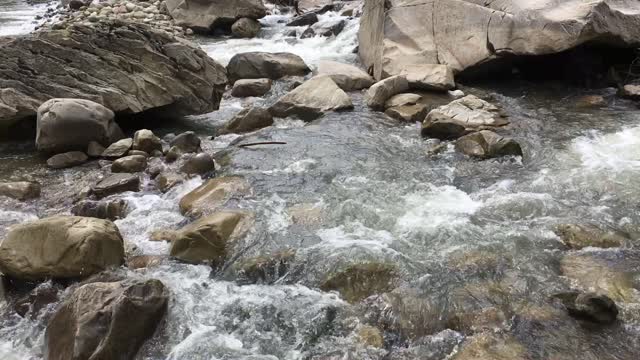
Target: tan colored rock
(429,77)
(359,281)
(487,144)
(205,16)
(129,164)
(596,275)
(20,190)
(489,346)
(311,99)
(67,160)
(260,65)
(145,140)
(251,87)
(408,113)
(380,92)
(118,149)
(248,120)
(167,180)
(213,194)
(245,28)
(630,91)
(346,76)
(402,99)
(578,236)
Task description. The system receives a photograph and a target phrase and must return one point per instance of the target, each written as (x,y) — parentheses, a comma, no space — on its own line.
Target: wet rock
(370,336)
(308,33)
(145,261)
(245,28)
(145,140)
(329,28)
(138,153)
(115,184)
(106,320)
(359,281)
(20,190)
(487,144)
(200,164)
(316,6)
(598,276)
(167,180)
(251,87)
(118,149)
(213,194)
(578,236)
(248,120)
(61,247)
(66,160)
(591,101)
(489,346)
(429,77)
(402,99)
(408,113)
(311,99)
(129,164)
(630,91)
(265,269)
(590,306)
(303,20)
(95,149)
(39,298)
(163,235)
(380,92)
(209,15)
(208,239)
(71,124)
(347,77)
(110,210)
(187,142)
(306,214)
(258,65)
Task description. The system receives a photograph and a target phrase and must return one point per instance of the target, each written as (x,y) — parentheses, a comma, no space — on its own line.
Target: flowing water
(471,241)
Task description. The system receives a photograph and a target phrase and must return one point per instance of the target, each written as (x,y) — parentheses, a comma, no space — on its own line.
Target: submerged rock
(66,160)
(111,210)
(251,87)
(590,306)
(245,28)
(359,281)
(347,77)
(598,276)
(116,183)
(37,299)
(578,236)
(380,92)
(206,16)
(257,65)
(265,269)
(213,194)
(310,100)
(248,120)
(129,164)
(20,190)
(487,144)
(489,346)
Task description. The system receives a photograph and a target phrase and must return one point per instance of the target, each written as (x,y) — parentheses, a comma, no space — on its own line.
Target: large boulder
(213,194)
(145,140)
(245,28)
(257,65)
(311,99)
(347,77)
(397,34)
(71,124)
(106,320)
(247,120)
(128,68)
(20,190)
(61,247)
(207,15)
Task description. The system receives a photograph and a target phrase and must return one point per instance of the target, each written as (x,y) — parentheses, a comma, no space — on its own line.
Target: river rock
(347,77)
(303,20)
(200,164)
(590,306)
(118,149)
(596,275)
(61,247)
(359,281)
(71,124)
(115,184)
(106,320)
(145,261)
(145,140)
(37,299)
(397,34)
(167,180)
(265,269)
(381,91)
(487,144)
(128,76)
(110,210)
(308,33)
(258,65)
(245,28)
(187,142)
(591,102)
(66,160)
(578,236)
(251,87)
(20,190)
(329,28)
(311,99)
(205,16)
(316,6)
(248,120)
(208,239)
(429,77)
(491,346)
(213,194)
(95,149)
(129,164)
(630,91)
(402,99)
(408,113)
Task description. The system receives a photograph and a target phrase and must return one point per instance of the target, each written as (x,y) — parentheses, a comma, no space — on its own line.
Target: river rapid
(471,242)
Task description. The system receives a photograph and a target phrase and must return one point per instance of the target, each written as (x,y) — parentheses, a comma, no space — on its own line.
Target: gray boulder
(347,77)
(312,99)
(66,160)
(303,20)
(245,28)
(205,16)
(110,210)
(329,28)
(251,87)
(487,144)
(20,190)
(257,65)
(247,120)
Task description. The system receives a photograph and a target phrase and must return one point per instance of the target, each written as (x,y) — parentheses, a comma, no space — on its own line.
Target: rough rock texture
(61,247)
(187,142)
(402,99)
(106,320)
(200,164)
(68,159)
(359,281)
(145,140)
(165,181)
(463,33)
(487,144)
(578,236)
(257,65)
(248,120)
(590,306)
(311,99)
(381,91)
(213,194)
(347,77)
(128,68)
(251,87)
(409,113)
(129,164)
(111,210)
(429,77)
(328,28)
(204,16)
(245,28)
(305,6)
(118,149)
(116,183)
(304,20)
(71,124)
(20,190)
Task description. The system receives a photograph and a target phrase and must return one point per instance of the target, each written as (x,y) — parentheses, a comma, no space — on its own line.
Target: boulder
(247,120)
(630,91)
(316,6)
(258,65)
(310,100)
(598,275)
(61,247)
(115,184)
(578,236)
(487,144)
(199,164)
(429,77)
(409,113)
(381,91)
(308,33)
(20,190)
(329,28)
(208,239)
(251,87)
(110,210)
(359,281)
(71,124)
(145,140)
(402,99)
(304,20)
(139,153)
(129,164)
(397,34)
(118,149)
(187,142)
(213,194)
(166,180)
(127,67)
(205,16)
(66,160)
(590,306)
(347,77)
(245,28)
(106,320)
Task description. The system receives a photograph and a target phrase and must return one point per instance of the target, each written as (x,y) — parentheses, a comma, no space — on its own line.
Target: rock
(308,33)
(408,113)
(347,77)
(20,190)
(487,144)
(429,77)
(118,149)
(139,153)
(110,210)
(316,6)
(578,236)
(462,34)
(311,99)
(630,91)
(489,346)
(115,184)
(361,280)
(163,235)
(165,181)
(591,101)
(265,269)
(205,16)
(61,247)
(251,87)
(370,336)
(381,91)
(330,28)
(307,214)
(258,65)
(303,20)
(37,299)
(199,164)
(248,120)
(208,239)
(460,117)
(129,76)
(187,142)
(129,164)
(66,160)
(145,140)
(76,4)
(95,149)
(590,306)
(598,276)
(245,28)
(71,124)
(144,261)
(106,320)
(402,99)
(213,194)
